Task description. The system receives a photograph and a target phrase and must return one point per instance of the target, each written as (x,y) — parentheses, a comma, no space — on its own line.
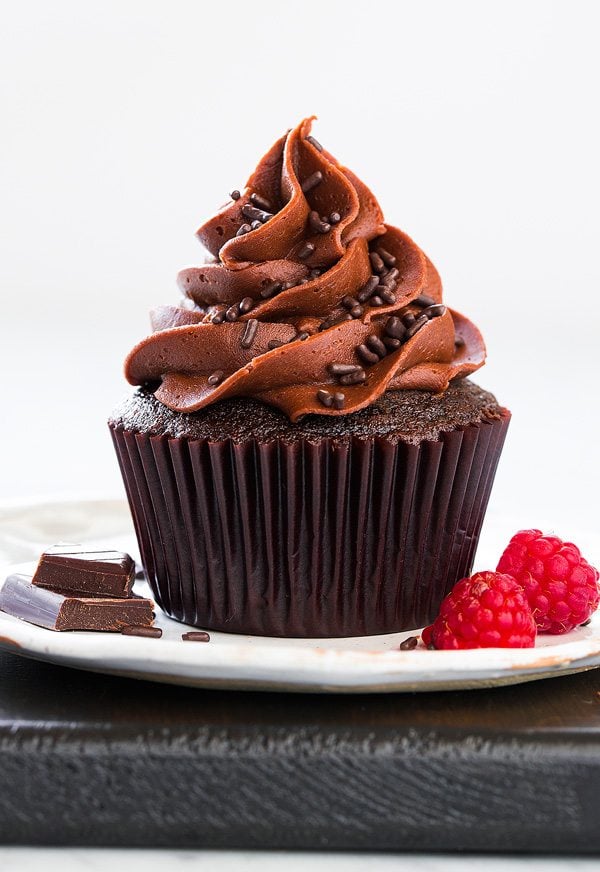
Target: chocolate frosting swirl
(309,301)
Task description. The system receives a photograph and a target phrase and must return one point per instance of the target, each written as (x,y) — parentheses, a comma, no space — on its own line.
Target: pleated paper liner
(308,539)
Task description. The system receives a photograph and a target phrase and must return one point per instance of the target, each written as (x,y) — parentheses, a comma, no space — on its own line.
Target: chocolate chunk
(196,636)
(80,570)
(64,611)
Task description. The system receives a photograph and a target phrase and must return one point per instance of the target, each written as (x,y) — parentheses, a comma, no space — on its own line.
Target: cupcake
(304,455)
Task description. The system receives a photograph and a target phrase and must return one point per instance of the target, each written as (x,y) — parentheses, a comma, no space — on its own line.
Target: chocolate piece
(235,195)
(140,630)
(63,611)
(196,636)
(79,570)
(314,142)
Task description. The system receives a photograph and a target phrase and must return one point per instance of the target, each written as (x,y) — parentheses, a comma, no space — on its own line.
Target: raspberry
(488,610)
(561,587)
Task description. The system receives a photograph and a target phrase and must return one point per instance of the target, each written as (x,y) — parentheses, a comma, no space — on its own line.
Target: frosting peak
(309,301)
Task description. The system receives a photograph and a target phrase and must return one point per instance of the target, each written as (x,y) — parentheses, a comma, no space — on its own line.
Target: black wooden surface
(93,760)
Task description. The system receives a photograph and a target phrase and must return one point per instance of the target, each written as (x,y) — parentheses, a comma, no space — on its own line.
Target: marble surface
(103,860)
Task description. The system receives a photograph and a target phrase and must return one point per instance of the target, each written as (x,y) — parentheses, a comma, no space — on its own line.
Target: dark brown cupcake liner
(308,539)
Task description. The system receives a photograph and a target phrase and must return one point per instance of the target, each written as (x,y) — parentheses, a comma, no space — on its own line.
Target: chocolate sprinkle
(245,305)
(245,228)
(423,301)
(219,317)
(391,343)
(261,203)
(312,181)
(420,322)
(343,368)
(270,290)
(255,214)
(387,258)
(216,378)
(435,311)
(388,296)
(325,398)
(300,337)
(150,632)
(272,344)
(390,277)
(315,143)
(353,378)
(376,300)
(196,636)
(232,313)
(376,262)
(316,223)
(235,195)
(394,327)
(375,344)
(255,225)
(357,311)
(409,644)
(306,250)
(408,319)
(333,320)
(349,302)
(365,354)
(339,401)
(367,290)
(249,333)
(335,218)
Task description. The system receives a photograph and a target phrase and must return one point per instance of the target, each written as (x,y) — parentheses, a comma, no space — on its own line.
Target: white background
(125,124)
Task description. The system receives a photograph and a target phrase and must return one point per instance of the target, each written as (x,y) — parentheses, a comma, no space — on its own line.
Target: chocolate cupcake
(305,456)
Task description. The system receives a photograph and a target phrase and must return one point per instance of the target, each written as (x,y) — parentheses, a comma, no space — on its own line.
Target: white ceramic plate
(370,664)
